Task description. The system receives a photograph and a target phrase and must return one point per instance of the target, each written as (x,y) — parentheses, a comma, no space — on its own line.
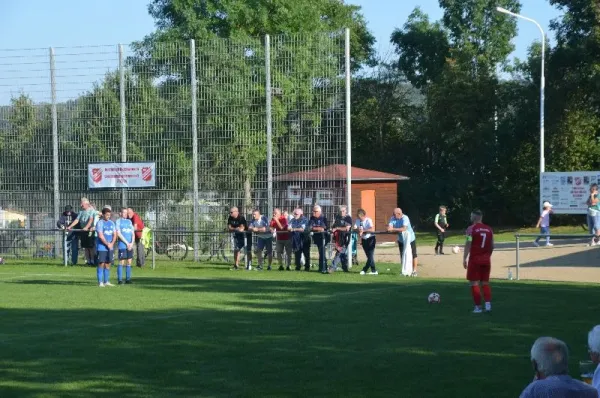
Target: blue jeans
(591,224)
(544,231)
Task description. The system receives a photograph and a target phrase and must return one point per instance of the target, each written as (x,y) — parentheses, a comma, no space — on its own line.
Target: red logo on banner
(96,175)
(146,173)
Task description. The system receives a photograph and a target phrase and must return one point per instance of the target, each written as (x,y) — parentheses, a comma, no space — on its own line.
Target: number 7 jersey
(481,237)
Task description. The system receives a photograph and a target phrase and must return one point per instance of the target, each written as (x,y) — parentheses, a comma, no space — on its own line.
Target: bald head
(398,212)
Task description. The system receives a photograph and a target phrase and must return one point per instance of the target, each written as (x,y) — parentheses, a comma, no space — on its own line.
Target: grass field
(191,330)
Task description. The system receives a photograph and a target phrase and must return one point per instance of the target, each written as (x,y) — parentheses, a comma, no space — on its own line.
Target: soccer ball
(456,250)
(434,298)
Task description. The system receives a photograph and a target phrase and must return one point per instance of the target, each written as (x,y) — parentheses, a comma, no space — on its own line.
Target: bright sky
(41,23)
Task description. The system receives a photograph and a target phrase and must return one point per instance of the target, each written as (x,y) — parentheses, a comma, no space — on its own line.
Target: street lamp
(542,88)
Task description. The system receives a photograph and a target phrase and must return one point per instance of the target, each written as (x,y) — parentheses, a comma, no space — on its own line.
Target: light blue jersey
(262,223)
(108,229)
(403,221)
(125,227)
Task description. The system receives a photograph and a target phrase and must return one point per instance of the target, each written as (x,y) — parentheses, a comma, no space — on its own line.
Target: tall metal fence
(251,123)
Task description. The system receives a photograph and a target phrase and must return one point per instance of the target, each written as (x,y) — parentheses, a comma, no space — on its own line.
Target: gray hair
(551,356)
(317,208)
(344,207)
(594,340)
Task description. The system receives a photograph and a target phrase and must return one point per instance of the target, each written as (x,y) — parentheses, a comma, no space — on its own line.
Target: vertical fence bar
(269,123)
(123,119)
(517,237)
(348,139)
(65,243)
(194,87)
(55,170)
(152,248)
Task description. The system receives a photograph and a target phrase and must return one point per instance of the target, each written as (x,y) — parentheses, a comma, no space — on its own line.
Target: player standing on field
(441,224)
(477,260)
(126,242)
(105,245)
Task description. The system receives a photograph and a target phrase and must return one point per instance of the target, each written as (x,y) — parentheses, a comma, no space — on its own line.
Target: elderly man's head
(130,212)
(594,344)
(298,213)
(85,203)
(398,212)
(550,357)
(343,210)
(316,210)
(234,211)
(276,212)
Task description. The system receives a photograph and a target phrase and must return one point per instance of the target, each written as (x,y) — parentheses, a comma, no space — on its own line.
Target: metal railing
(542,236)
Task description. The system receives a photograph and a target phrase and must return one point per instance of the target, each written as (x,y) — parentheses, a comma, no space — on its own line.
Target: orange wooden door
(367,202)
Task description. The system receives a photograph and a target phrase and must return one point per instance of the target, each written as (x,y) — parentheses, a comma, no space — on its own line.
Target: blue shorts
(239,242)
(262,244)
(125,254)
(105,257)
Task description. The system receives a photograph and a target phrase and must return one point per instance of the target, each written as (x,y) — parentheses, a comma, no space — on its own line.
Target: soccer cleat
(101,284)
(477,310)
(128,282)
(108,284)
(121,282)
(373,273)
(488,307)
(363,273)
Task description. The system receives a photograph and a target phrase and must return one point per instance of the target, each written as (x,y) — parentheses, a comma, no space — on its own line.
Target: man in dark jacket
(66,218)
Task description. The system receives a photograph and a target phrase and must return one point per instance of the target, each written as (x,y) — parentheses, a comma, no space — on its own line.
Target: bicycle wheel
(22,247)
(177,251)
(329,251)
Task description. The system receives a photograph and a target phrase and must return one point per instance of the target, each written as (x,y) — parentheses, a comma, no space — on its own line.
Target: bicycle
(21,245)
(214,247)
(173,250)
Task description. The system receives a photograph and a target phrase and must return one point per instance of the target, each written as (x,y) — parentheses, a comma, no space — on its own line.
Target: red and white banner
(121,175)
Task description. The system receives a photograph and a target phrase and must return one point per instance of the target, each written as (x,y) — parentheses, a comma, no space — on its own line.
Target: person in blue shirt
(298,226)
(400,223)
(126,236)
(106,236)
(319,227)
(365,227)
(264,239)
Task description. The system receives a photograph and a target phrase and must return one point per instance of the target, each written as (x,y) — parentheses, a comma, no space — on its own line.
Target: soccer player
(237,224)
(126,241)
(105,242)
(264,238)
(477,260)
(441,223)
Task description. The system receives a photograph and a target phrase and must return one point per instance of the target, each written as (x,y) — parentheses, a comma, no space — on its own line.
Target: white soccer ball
(434,298)
(456,250)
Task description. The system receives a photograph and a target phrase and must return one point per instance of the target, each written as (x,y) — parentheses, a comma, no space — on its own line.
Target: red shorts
(476,273)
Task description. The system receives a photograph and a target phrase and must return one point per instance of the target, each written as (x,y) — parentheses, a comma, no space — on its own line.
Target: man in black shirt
(237,224)
(342,224)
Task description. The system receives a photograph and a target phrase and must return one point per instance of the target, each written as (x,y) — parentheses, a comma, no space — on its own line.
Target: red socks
(487,293)
(476,294)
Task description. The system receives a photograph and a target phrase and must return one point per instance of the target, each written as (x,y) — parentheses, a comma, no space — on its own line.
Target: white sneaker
(362,273)
(101,284)
(108,284)
(414,274)
(549,244)
(488,307)
(373,273)
(477,310)
(536,244)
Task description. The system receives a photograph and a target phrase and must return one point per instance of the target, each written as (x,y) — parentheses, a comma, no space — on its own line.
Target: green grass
(501,235)
(191,330)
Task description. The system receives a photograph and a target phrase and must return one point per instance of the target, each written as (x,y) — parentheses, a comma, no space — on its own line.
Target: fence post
(152,249)
(518,265)
(269,123)
(348,140)
(123,119)
(55,169)
(65,251)
(194,144)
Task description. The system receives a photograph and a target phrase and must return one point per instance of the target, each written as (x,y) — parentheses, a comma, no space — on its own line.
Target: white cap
(547,204)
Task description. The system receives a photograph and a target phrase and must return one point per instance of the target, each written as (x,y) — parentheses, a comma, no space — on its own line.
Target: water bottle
(510,276)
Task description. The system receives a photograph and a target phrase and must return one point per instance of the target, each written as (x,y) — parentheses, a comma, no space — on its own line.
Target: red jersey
(482,239)
(284,227)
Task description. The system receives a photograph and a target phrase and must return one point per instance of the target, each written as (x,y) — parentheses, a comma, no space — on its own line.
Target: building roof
(338,172)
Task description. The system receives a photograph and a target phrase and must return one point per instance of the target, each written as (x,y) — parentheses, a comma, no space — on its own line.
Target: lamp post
(542,88)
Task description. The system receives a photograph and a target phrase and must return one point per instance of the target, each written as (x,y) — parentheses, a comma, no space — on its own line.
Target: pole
(348,140)
(55,169)
(194,145)
(268,93)
(152,248)
(64,237)
(517,237)
(123,119)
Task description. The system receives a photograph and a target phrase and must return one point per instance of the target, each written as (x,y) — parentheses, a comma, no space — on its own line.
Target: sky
(40,24)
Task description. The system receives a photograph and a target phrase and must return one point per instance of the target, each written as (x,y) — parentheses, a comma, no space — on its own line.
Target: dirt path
(567,261)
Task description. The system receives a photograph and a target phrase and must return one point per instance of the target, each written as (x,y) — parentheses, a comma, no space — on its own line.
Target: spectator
(319,227)
(441,224)
(66,219)
(264,239)
(85,221)
(341,230)
(279,225)
(298,228)
(593,215)
(400,223)
(544,225)
(138,226)
(237,224)
(364,226)
(550,360)
(594,350)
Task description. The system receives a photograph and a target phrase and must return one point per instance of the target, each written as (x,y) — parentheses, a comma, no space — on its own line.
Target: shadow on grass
(583,258)
(298,338)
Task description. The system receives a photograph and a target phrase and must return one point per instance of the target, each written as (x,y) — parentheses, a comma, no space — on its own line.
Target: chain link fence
(253,123)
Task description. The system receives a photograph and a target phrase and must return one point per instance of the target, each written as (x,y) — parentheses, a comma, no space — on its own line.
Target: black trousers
(306,251)
(369,248)
(441,237)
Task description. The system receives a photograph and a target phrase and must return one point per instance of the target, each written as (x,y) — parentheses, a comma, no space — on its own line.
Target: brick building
(374,191)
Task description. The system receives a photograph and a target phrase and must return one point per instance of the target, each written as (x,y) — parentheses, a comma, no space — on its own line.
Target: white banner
(568,191)
(121,175)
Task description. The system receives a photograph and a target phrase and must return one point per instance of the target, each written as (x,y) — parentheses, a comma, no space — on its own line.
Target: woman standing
(364,226)
(593,217)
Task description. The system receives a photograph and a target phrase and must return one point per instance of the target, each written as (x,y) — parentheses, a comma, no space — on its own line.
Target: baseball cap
(547,204)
